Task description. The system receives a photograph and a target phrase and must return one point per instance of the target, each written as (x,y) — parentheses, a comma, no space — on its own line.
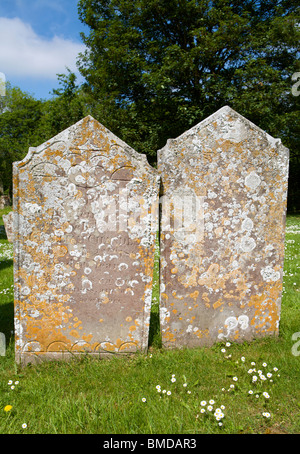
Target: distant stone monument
(86,221)
(224,192)
(4,201)
(8,220)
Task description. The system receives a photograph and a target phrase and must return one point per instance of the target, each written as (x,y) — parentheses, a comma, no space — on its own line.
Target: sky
(38,40)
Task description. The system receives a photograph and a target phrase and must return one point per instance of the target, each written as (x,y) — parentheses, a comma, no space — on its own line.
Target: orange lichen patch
(87,337)
(74,333)
(108,346)
(58,347)
(168,336)
(195,294)
(201,333)
(76,325)
(217,304)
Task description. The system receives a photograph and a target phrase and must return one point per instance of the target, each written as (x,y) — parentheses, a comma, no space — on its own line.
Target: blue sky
(38,40)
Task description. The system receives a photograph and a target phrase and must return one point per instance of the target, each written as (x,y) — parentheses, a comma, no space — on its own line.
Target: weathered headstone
(224,186)
(4,201)
(2,344)
(86,221)
(8,220)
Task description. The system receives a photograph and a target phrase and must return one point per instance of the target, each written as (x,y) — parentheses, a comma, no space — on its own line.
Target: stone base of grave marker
(224,185)
(86,221)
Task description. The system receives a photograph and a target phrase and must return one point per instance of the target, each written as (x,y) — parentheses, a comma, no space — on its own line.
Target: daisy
(211,402)
(203,403)
(266,414)
(144,399)
(169,393)
(266,395)
(24,426)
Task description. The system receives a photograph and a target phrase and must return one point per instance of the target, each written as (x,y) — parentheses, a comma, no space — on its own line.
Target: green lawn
(161,392)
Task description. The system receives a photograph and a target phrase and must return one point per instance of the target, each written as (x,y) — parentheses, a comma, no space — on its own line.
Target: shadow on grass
(7,320)
(154,330)
(6,264)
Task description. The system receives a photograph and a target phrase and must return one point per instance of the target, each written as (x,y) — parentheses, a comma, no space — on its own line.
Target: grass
(161,392)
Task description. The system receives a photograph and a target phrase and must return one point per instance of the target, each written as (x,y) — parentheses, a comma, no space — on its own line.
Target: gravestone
(86,221)
(4,201)
(8,220)
(224,191)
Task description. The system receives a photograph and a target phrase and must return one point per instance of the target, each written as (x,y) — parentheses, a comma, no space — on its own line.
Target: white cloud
(23,53)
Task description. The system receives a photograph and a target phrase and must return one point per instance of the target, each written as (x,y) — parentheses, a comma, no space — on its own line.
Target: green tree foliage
(26,122)
(67,106)
(154,68)
(20,115)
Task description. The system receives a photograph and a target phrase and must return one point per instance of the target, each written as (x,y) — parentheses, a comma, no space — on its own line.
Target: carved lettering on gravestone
(86,218)
(222,262)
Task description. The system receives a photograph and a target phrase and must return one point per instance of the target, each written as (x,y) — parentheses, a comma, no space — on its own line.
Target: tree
(20,115)
(67,106)
(26,122)
(155,68)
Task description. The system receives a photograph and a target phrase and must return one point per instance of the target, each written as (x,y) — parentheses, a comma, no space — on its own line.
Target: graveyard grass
(162,392)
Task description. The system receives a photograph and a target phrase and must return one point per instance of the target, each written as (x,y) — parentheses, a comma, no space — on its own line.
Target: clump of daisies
(251,377)
(210,410)
(172,386)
